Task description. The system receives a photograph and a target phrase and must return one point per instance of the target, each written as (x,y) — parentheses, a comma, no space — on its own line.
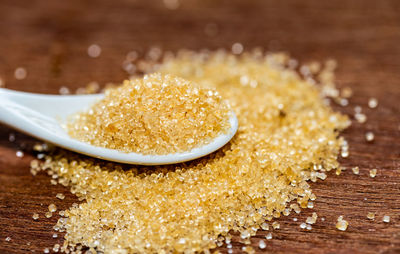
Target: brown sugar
(158,114)
(286,135)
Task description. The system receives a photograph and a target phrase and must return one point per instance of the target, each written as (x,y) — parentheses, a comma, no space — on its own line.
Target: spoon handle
(24,118)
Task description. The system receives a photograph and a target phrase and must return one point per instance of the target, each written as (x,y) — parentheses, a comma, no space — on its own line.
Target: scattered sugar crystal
(132,55)
(386,218)
(237,48)
(245,234)
(312,219)
(286,212)
(33,171)
(369,136)
(343,102)
(154,53)
(52,208)
(372,103)
(372,172)
(34,164)
(19,154)
(56,247)
(356,170)
(276,225)
(8,239)
(60,196)
(342,224)
(295,207)
(35,216)
(268,236)
(264,226)
(261,244)
(94,50)
(247,241)
(20,73)
(371,215)
(344,153)
(321,176)
(347,92)
(361,118)
(64,90)
(11,137)
(38,148)
(248,249)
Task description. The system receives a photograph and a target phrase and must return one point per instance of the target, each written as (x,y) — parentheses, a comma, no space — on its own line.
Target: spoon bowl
(41,116)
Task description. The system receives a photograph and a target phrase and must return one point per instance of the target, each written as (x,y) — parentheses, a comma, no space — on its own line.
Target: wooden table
(50,39)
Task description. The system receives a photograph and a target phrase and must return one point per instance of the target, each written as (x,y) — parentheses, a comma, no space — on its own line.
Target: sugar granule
(52,208)
(19,154)
(342,224)
(371,215)
(286,133)
(360,117)
(312,219)
(60,196)
(372,103)
(386,218)
(20,73)
(369,136)
(356,170)
(261,244)
(35,216)
(159,114)
(56,247)
(372,172)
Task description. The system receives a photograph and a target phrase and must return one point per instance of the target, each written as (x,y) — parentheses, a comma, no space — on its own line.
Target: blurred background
(50,40)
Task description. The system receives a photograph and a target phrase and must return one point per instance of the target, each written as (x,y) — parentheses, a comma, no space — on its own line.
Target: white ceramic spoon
(40,116)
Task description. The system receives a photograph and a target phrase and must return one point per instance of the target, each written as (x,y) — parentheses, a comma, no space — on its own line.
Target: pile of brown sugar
(158,114)
(287,136)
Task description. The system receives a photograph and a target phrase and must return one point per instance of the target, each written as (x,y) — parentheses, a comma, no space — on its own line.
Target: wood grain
(50,39)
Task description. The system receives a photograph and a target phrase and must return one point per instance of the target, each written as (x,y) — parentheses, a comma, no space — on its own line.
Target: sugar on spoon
(41,116)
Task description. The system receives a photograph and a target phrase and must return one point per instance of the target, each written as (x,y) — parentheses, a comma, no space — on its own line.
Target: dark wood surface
(50,39)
